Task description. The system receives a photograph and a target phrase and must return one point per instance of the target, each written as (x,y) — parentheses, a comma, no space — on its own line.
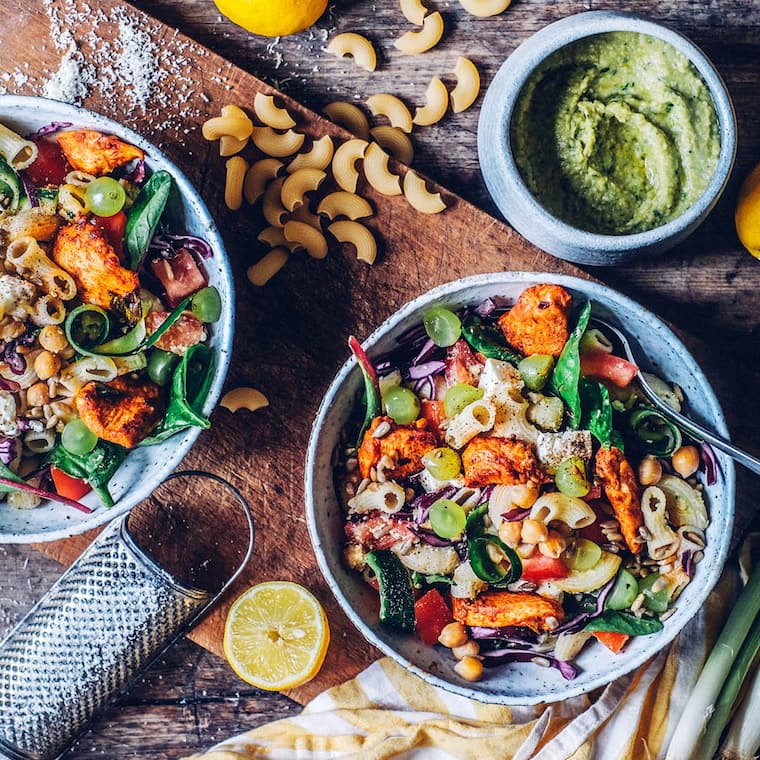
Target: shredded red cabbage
(687,562)
(498,657)
(429,537)
(137,175)
(49,129)
(427,350)
(709,463)
(166,245)
(511,634)
(415,334)
(9,385)
(8,450)
(421,505)
(29,189)
(515,514)
(428,369)
(15,361)
(492,306)
(576,623)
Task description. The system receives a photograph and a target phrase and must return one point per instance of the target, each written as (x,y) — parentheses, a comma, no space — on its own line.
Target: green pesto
(616,133)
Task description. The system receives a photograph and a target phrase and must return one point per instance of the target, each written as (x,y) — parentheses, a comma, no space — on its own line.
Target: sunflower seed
(382,429)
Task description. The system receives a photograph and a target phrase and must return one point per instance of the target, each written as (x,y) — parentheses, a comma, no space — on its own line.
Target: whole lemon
(747,216)
(272,18)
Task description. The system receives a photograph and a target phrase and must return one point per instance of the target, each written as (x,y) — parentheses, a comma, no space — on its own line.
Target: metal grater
(102,623)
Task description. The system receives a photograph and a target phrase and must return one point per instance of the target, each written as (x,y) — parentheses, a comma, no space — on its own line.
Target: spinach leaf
(145,215)
(190,386)
(487,340)
(420,580)
(623,622)
(8,474)
(596,411)
(96,468)
(567,372)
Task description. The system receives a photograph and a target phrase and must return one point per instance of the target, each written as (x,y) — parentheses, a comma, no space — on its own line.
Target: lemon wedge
(276,635)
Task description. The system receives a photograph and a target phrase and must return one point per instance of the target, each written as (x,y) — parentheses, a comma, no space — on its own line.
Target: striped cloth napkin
(387,712)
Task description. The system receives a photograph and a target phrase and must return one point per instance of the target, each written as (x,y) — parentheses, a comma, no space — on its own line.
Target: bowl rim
(494,140)
(591,289)
(102,515)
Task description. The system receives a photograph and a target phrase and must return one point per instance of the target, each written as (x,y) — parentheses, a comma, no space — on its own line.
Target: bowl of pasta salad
(116,318)
(494,502)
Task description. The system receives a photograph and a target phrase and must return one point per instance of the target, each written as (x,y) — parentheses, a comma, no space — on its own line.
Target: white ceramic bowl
(510,193)
(144,468)
(517,684)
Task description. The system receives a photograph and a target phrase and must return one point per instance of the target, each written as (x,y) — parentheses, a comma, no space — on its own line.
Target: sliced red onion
(137,175)
(414,334)
(428,348)
(9,385)
(514,515)
(421,505)
(425,388)
(491,305)
(29,189)
(384,368)
(710,463)
(687,562)
(8,450)
(49,129)
(166,245)
(428,369)
(430,538)
(498,657)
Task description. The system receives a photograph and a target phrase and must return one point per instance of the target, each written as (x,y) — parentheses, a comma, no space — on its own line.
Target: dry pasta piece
(414,11)
(272,236)
(394,141)
(244,398)
(344,161)
(358,47)
(270,114)
(312,240)
(229,145)
(299,183)
(348,116)
(274,212)
(436,103)
(377,172)
(485,8)
(258,175)
(237,167)
(359,236)
(391,107)
(268,266)
(428,37)
(277,144)
(467,88)
(346,204)
(420,197)
(304,214)
(318,157)
(233,122)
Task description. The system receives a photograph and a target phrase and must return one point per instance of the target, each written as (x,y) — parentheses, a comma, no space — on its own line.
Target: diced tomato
(180,276)
(113,228)
(433,412)
(462,364)
(65,485)
(613,641)
(539,568)
(50,167)
(602,366)
(593,532)
(432,615)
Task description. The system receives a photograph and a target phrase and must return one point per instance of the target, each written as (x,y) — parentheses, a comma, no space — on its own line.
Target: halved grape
(443,463)
(442,326)
(447,518)
(78,438)
(655,601)
(624,592)
(104,196)
(459,396)
(401,404)
(582,554)
(570,477)
(536,370)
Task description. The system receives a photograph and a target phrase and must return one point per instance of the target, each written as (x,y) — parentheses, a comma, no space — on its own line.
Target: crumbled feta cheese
(430,560)
(15,296)
(466,584)
(8,422)
(554,448)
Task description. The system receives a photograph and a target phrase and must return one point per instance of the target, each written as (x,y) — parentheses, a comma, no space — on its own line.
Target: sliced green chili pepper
(11,189)
(371,387)
(567,372)
(656,434)
(395,588)
(144,216)
(86,326)
(480,560)
(125,344)
(487,340)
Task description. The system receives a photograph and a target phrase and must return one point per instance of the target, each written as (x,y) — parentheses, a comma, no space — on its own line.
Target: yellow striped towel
(387,712)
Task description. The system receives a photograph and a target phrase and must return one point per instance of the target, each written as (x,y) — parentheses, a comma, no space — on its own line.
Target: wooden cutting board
(291,335)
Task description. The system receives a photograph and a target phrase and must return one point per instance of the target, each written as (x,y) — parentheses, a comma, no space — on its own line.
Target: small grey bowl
(510,193)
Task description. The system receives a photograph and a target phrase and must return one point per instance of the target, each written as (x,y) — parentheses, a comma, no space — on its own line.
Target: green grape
(78,438)
(207,304)
(447,518)
(161,366)
(401,404)
(442,326)
(459,396)
(654,601)
(582,554)
(570,477)
(105,196)
(536,370)
(624,592)
(443,463)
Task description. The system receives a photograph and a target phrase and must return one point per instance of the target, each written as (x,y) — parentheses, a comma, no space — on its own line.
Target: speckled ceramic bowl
(517,683)
(146,467)
(510,193)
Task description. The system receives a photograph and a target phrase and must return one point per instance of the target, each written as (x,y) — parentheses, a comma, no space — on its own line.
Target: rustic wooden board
(291,335)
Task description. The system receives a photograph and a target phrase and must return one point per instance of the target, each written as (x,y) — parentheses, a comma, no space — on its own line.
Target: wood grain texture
(292,333)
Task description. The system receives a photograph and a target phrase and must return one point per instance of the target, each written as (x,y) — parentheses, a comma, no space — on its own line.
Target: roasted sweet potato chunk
(496,609)
(83,251)
(622,491)
(504,461)
(95,153)
(537,323)
(404,445)
(122,411)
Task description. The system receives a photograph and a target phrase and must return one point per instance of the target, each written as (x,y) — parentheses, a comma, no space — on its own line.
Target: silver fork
(693,429)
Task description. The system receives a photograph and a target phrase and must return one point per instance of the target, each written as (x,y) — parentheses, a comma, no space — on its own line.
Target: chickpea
(553,546)
(510,533)
(470,668)
(534,531)
(453,635)
(53,339)
(469,649)
(650,471)
(526,551)
(685,461)
(46,365)
(37,394)
(524,495)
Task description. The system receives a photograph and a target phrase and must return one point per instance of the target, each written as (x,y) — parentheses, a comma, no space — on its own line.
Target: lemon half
(747,214)
(276,635)
(272,18)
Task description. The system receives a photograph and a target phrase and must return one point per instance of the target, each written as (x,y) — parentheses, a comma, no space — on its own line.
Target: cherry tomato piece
(50,167)
(65,485)
(432,615)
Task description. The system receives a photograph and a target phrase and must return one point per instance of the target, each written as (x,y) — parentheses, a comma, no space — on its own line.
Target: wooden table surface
(709,286)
